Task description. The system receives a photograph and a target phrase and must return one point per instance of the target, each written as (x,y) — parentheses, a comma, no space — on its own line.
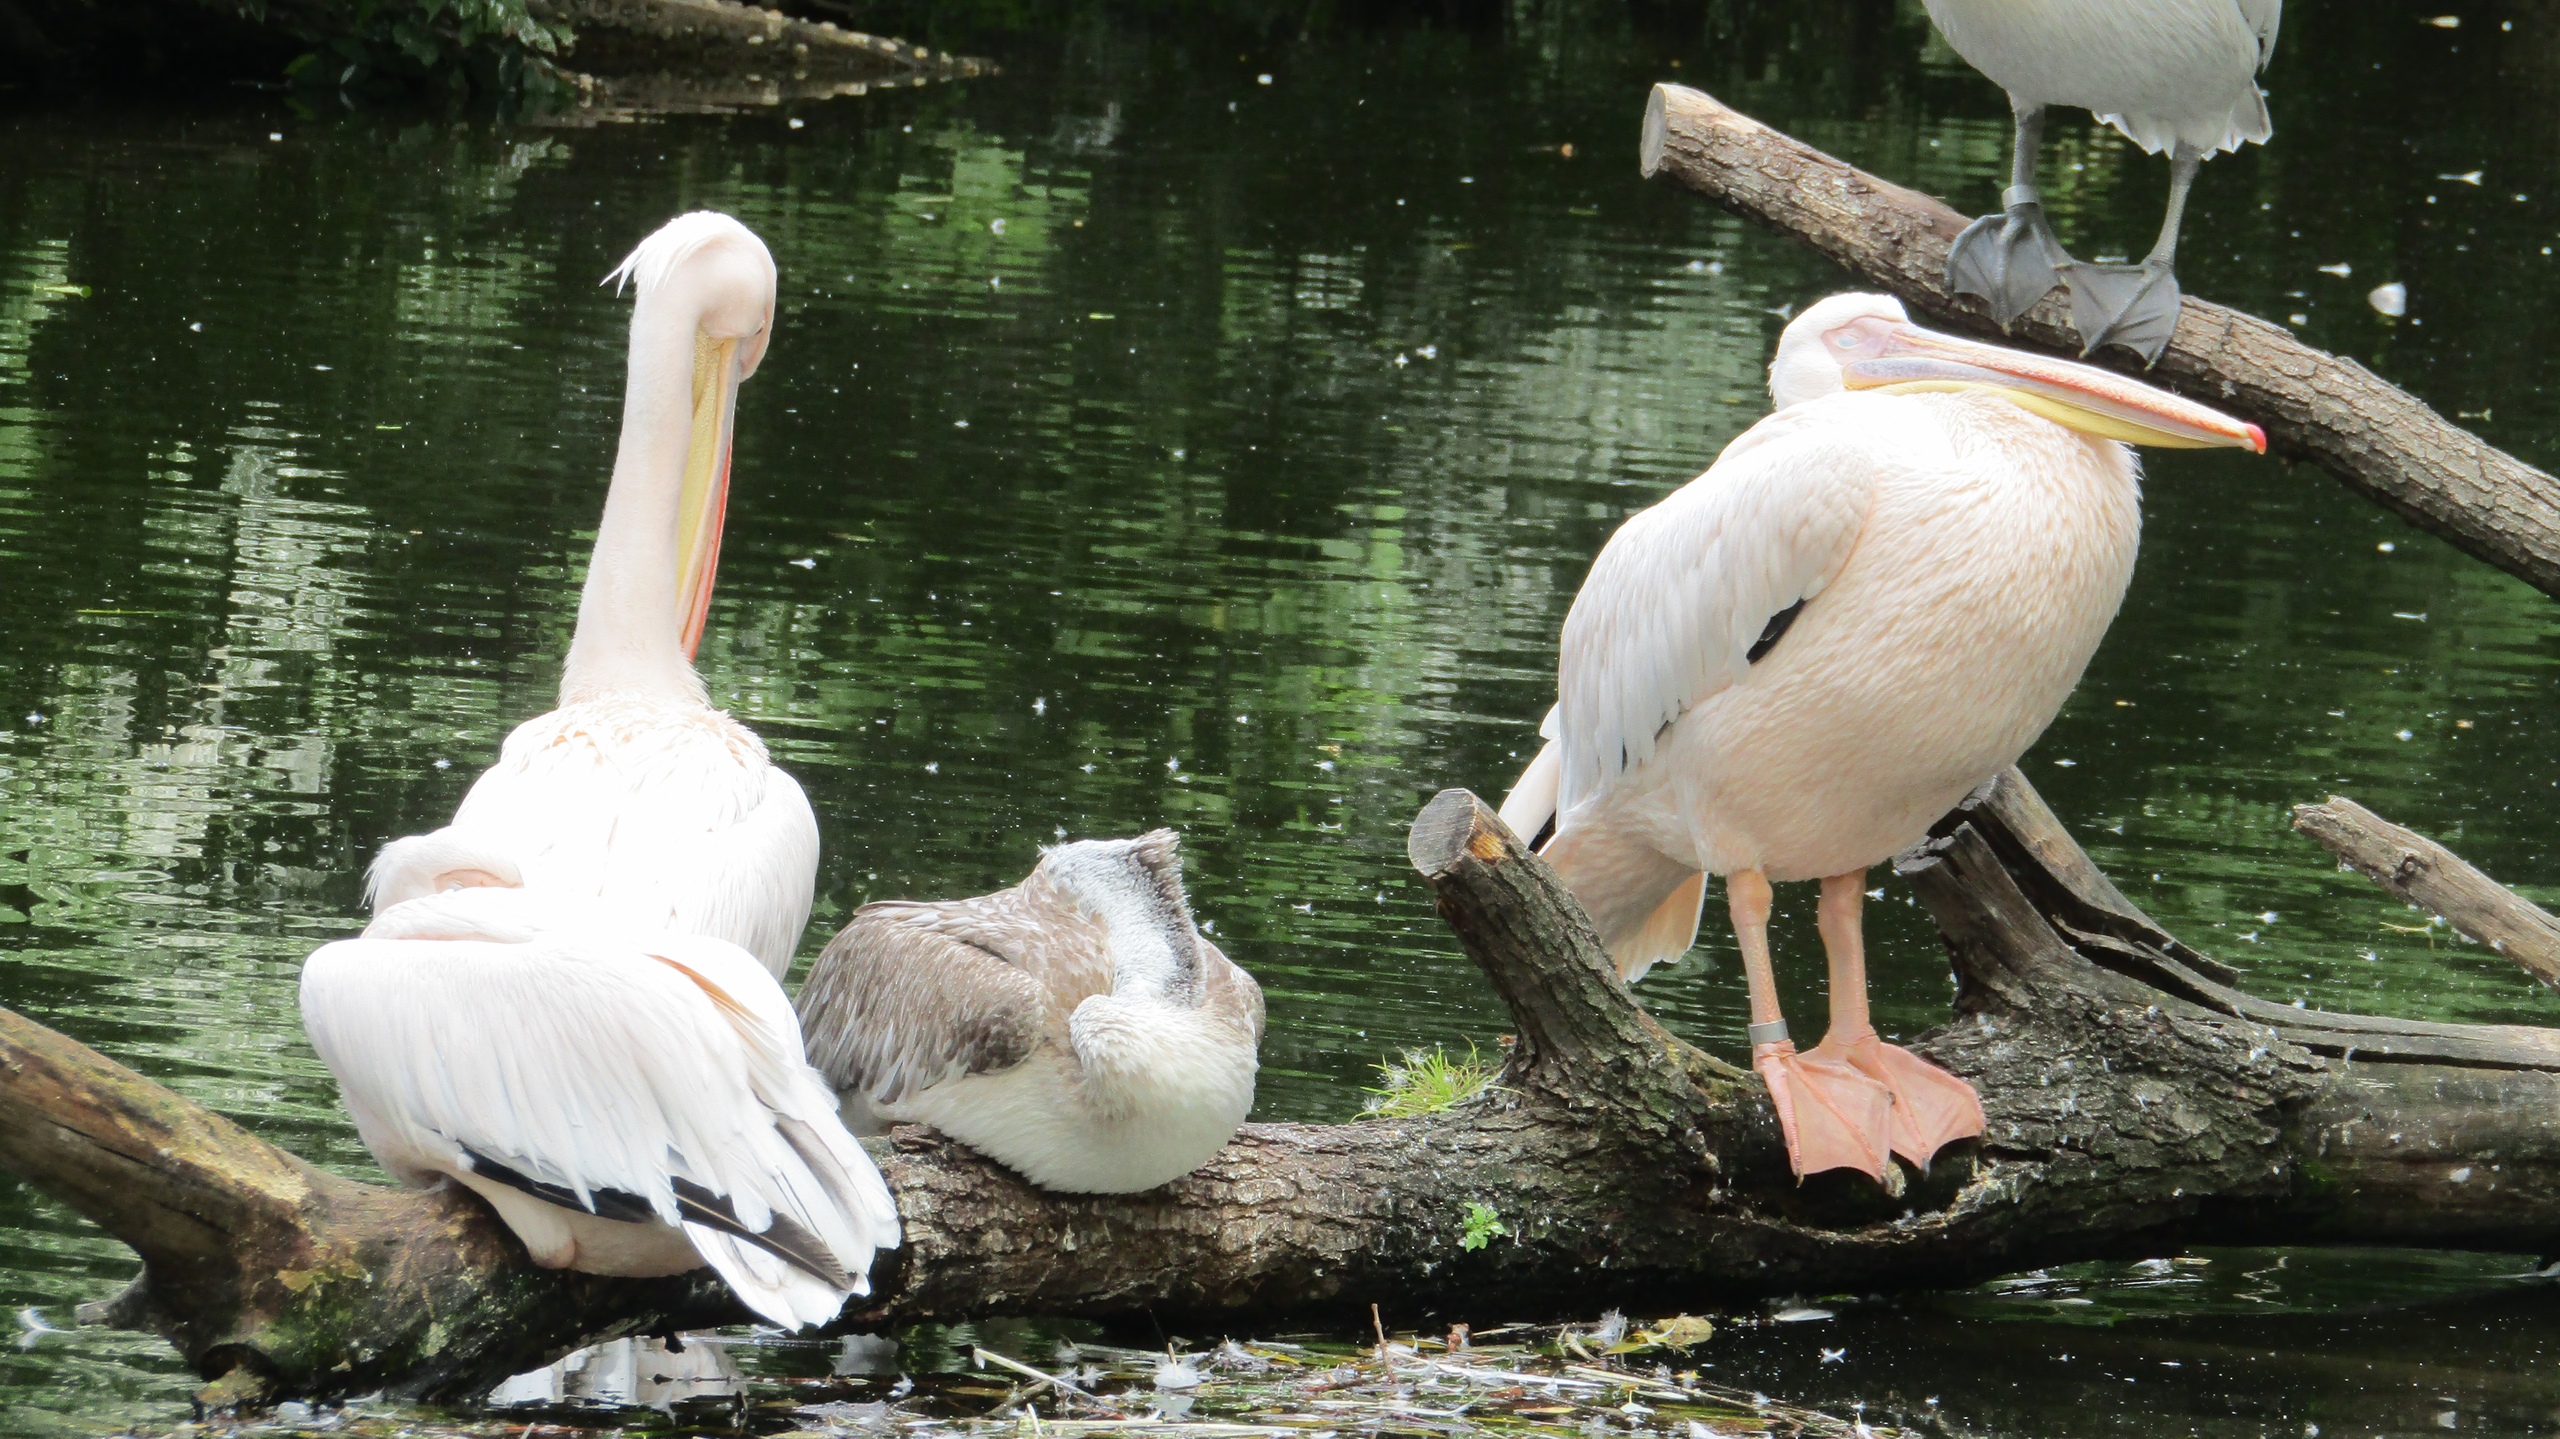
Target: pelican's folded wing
(909,995)
(1683,594)
(634,1077)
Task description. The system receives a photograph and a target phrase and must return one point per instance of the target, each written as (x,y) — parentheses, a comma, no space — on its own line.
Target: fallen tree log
(2383,442)
(2415,869)
(2137,1103)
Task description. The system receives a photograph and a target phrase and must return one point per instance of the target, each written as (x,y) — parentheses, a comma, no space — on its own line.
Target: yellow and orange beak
(1906,358)
(705,498)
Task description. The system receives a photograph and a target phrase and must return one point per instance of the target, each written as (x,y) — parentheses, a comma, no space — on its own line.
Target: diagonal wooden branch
(2380,440)
(2413,868)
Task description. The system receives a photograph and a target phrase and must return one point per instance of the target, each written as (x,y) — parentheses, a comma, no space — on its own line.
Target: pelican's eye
(1862,338)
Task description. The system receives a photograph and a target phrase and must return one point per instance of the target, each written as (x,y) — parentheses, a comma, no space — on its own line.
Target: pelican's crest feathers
(675,242)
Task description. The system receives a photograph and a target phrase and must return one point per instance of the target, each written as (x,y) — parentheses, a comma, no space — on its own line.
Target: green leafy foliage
(457,46)
(1422,1082)
(1483,1226)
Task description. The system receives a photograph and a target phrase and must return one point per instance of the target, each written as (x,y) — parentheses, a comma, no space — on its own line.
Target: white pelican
(2174,75)
(630,1100)
(1076,1028)
(635,791)
(1792,666)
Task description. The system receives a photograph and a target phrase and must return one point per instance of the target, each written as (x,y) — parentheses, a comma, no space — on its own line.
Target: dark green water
(1239,482)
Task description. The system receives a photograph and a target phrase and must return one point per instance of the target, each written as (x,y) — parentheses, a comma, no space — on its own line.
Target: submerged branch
(2413,868)
(2383,442)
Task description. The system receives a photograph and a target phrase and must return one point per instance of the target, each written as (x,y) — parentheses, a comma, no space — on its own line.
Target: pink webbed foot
(1833,1116)
(1931,1108)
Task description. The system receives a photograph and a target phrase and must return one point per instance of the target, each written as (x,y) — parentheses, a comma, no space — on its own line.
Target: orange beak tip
(2257,440)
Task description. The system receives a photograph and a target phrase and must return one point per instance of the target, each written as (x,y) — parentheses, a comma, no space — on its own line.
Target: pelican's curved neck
(628,642)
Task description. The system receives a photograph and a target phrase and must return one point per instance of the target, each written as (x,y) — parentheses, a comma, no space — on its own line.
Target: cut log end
(1456,826)
(1657,128)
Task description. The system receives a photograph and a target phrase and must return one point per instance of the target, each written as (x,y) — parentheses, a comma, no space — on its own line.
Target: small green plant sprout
(1420,1082)
(1483,1226)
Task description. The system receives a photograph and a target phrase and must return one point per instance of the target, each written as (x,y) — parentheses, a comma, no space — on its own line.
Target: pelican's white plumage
(1959,557)
(1790,667)
(651,1084)
(2164,72)
(635,792)
(1076,1028)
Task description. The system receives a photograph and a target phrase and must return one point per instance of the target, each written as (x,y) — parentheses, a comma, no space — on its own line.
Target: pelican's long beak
(704,501)
(2082,397)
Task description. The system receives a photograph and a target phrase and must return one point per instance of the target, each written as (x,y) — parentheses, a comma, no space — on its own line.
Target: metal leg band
(2017,195)
(1774,1032)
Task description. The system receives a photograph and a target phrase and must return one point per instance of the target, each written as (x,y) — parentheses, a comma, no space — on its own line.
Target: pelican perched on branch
(635,791)
(1876,599)
(630,1100)
(2173,75)
(1077,1028)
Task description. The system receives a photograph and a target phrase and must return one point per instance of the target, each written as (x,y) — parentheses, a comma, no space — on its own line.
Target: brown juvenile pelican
(1076,1028)
(2174,75)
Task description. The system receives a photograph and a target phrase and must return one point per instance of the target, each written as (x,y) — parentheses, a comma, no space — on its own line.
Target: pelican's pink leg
(1833,1116)
(1931,1108)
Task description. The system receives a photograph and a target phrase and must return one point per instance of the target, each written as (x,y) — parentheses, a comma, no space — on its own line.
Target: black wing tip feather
(1773,632)
(619,1204)
(783,1238)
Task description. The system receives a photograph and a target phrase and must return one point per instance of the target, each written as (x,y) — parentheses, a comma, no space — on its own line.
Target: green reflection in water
(1238,482)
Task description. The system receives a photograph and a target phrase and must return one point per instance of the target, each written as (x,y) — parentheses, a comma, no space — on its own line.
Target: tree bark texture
(2380,440)
(2411,867)
(2137,1103)
(627,39)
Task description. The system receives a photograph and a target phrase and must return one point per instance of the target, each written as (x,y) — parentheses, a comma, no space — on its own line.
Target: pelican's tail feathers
(1666,934)
(767,1283)
(1530,808)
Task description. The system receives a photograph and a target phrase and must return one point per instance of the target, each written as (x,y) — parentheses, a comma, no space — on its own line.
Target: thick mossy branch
(2137,1102)
(2380,440)
(284,1278)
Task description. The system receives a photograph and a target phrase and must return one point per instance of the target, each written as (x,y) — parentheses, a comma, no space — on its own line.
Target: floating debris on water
(1519,1382)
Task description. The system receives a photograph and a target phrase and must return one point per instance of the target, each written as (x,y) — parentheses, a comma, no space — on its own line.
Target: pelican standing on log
(1077,1028)
(1790,668)
(2173,75)
(630,1100)
(635,792)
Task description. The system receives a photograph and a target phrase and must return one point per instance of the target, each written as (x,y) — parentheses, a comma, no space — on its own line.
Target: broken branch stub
(2417,870)
(2380,440)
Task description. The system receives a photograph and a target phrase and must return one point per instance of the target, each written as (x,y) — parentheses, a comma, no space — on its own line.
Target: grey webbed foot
(2009,260)
(2135,306)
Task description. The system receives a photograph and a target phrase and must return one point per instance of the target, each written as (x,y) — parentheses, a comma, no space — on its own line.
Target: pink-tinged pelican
(635,792)
(2173,75)
(1077,1028)
(629,1099)
(1792,666)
